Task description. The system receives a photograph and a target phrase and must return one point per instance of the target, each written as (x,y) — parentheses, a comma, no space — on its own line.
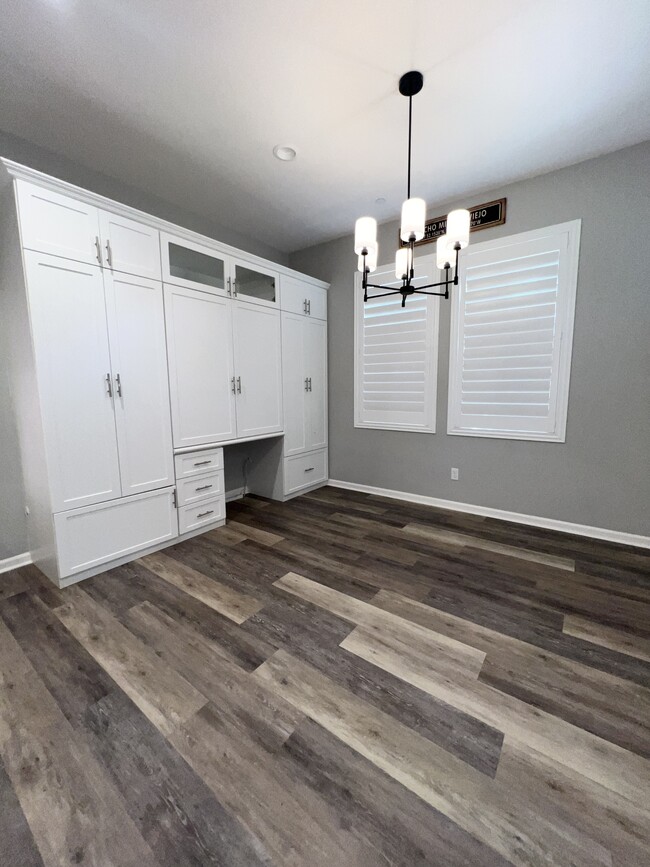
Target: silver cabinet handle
(109,387)
(234,289)
(229,289)
(118,383)
(202,463)
(309,469)
(308,380)
(232,385)
(309,307)
(109,254)
(204,488)
(239,385)
(304,306)
(203,514)
(98,249)
(306,383)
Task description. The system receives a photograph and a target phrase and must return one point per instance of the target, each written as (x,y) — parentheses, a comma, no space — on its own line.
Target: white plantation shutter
(396,354)
(512,331)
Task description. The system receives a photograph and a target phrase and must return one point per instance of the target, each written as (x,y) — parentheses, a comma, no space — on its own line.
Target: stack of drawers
(200,492)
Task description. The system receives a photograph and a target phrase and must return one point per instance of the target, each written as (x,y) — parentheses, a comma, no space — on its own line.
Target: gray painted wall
(601,475)
(13,531)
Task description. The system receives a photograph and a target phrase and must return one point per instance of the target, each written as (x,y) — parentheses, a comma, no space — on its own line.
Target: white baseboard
(15,562)
(516,517)
(235,494)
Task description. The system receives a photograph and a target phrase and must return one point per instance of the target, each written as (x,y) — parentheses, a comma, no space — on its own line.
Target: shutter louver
(510,313)
(395,360)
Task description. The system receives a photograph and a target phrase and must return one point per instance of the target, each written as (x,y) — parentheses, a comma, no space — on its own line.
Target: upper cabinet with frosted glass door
(255,283)
(194,266)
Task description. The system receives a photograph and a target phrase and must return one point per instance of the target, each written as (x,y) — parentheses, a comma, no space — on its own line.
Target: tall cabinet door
(130,247)
(294,384)
(315,367)
(73,365)
(258,368)
(136,324)
(201,375)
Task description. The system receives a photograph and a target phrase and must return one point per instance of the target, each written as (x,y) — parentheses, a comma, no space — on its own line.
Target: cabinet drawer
(194,489)
(303,298)
(198,463)
(302,471)
(203,513)
(97,534)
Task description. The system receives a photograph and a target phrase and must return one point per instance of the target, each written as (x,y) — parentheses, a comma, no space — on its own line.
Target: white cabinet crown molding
(25,173)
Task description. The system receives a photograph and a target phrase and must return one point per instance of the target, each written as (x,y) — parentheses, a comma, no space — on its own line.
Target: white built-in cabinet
(99,345)
(225,368)
(137,353)
(62,226)
(201,366)
(304,378)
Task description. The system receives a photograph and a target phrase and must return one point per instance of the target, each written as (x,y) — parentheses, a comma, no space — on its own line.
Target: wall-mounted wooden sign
(482,217)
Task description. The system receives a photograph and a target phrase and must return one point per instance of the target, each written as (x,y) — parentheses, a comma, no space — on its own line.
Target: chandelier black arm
(383,294)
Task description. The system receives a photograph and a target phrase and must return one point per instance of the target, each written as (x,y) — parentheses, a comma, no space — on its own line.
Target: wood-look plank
(292,821)
(162,695)
(68,671)
(451,538)
(225,536)
(605,763)
(605,636)
(17,846)
(475,803)
(174,810)
(401,827)
(313,635)
(443,652)
(257,535)
(232,604)
(617,823)
(260,713)
(74,813)
(12,582)
(603,704)
(613,709)
(595,604)
(132,584)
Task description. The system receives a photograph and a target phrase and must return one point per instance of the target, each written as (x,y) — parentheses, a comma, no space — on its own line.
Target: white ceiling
(186,98)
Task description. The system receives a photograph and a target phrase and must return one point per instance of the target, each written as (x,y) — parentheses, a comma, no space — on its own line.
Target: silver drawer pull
(309,469)
(203,514)
(204,487)
(201,463)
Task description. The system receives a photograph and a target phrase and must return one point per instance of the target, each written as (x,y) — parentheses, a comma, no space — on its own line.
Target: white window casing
(396,354)
(512,334)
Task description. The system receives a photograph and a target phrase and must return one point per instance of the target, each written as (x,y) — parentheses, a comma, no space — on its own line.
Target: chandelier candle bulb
(414,215)
(371,260)
(365,234)
(402,263)
(458,227)
(444,252)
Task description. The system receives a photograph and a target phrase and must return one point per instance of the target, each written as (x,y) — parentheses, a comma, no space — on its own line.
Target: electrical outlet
(454,474)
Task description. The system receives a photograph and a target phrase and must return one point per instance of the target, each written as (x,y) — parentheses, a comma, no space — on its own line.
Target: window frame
(421,263)
(567,291)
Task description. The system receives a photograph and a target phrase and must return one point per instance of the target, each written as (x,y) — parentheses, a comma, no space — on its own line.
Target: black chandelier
(448,246)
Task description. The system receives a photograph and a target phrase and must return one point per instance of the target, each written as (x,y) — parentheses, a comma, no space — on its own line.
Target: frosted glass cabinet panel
(255,283)
(193,266)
